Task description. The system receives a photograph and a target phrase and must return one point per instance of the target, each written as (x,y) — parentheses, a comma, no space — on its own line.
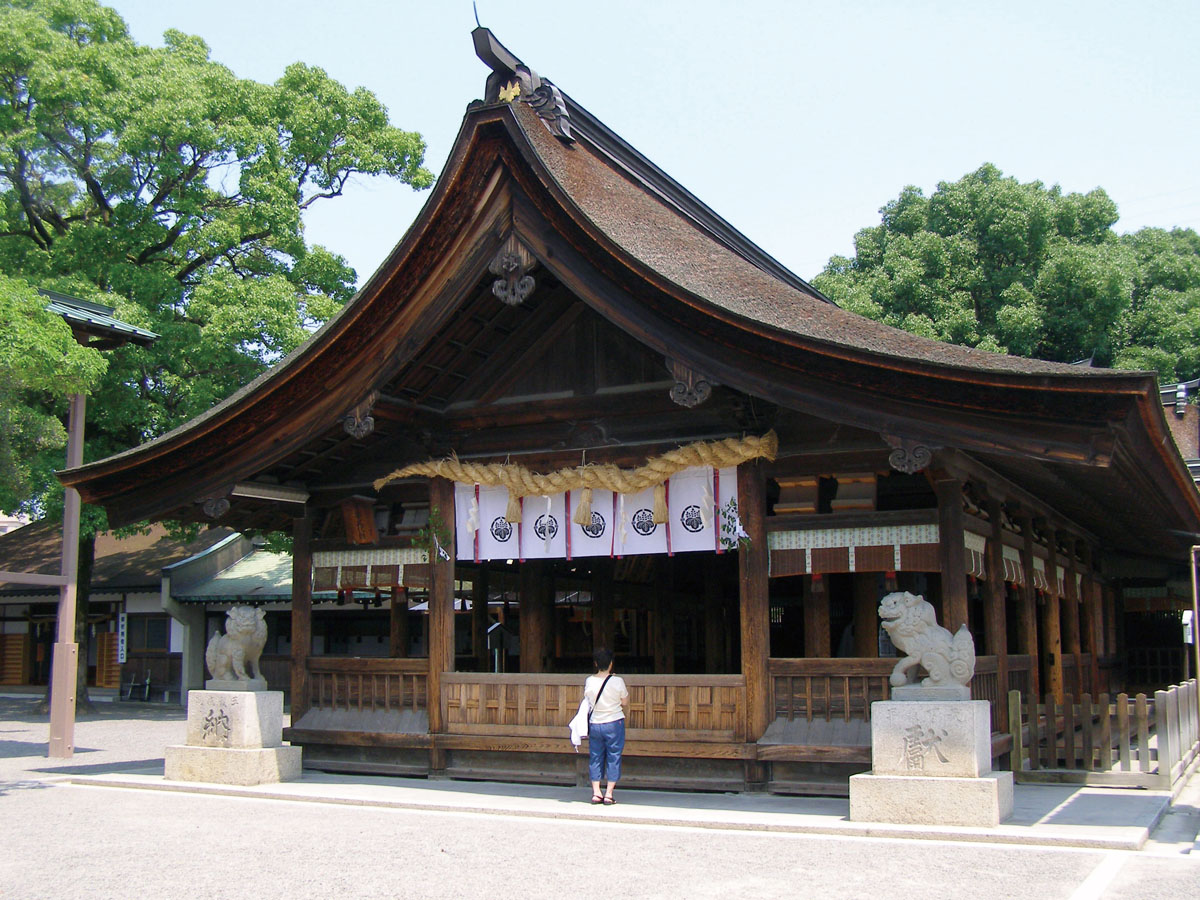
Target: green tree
(41,364)
(989,262)
(160,181)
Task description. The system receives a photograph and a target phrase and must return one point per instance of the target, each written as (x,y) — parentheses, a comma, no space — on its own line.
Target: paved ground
(105,824)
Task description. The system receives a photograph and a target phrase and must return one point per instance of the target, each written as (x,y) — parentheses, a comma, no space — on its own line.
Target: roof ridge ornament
(513,80)
(908,456)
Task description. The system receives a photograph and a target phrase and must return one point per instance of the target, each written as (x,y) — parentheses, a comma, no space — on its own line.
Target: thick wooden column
(301,613)
(1089,609)
(479,617)
(533,632)
(1069,610)
(1027,629)
(818,638)
(754,600)
(602,605)
(714,616)
(1051,623)
(866,615)
(1110,621)
(953,552)
(995,596)
(398,622)
(441,605)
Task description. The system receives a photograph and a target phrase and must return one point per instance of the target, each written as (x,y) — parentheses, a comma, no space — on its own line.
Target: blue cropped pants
(605,743)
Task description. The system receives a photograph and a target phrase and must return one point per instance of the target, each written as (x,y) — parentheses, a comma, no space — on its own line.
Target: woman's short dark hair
(602,658)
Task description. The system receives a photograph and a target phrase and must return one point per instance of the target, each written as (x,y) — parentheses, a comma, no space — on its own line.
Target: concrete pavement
(121,746)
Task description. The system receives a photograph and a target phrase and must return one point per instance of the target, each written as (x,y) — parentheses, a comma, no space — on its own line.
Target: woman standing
(608,699)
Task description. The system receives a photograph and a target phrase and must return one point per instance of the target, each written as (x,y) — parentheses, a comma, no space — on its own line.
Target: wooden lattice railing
(661,707)
(367,684)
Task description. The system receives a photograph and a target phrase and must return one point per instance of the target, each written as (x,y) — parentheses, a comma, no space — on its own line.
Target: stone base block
(217,765)
(982,802)
(235,719)
(932,692)
(948,739)
(235,684)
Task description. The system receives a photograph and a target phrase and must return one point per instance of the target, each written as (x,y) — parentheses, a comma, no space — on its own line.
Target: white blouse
(609,707)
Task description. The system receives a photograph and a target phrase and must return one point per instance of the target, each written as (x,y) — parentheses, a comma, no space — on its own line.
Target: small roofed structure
(605,400)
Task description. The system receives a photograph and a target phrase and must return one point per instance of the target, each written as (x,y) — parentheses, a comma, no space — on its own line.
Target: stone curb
(840,827)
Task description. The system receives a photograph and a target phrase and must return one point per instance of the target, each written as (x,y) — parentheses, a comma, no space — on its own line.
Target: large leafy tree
(158,181)
(989,262)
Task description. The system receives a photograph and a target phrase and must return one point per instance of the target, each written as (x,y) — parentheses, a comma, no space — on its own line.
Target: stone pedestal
(931,764)
(234,737)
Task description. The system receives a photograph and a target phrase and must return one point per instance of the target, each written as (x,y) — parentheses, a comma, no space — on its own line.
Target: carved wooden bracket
(510,265)
(908,456)
(359,422)
(691,388)
(216,504)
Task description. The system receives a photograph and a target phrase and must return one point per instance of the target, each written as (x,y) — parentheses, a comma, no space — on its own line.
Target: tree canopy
(156,180)
(1025,269)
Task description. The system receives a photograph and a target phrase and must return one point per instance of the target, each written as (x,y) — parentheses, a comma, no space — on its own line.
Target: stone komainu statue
(230,654)
(910,622)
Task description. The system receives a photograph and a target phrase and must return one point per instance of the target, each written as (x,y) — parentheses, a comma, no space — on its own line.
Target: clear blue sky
(795,121)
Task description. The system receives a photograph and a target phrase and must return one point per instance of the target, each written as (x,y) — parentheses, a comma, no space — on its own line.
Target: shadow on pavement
(17,749)
(124,767)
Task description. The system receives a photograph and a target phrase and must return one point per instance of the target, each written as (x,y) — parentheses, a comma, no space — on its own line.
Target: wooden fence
(367,684)
(1125,742)
(661,707)
(845,688)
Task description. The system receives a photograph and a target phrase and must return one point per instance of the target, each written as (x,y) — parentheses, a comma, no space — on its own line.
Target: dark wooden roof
(623,252)
(122,563)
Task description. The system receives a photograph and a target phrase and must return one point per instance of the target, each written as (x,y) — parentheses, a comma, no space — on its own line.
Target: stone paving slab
(1092,818)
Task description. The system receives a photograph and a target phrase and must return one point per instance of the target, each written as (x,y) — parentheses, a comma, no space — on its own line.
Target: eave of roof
(624,204)
(95,318)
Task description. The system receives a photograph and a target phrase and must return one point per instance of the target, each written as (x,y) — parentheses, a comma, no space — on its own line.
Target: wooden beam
(358,515)
(441,604)
(952,552)
(398,622)
(1090,618)
(664,620)
(1027,624)
(1052,623)
(818,639)
(602,606)
(754,598)
(995,600)
(714,615)
(479,616)
(866,615)
(301,613)
(532,625)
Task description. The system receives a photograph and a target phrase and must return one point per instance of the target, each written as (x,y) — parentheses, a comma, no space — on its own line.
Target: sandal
(608,801)
(596,799)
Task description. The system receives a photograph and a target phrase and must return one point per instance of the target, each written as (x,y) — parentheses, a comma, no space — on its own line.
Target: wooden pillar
(663,637)
(533,623)
(755,604)
(441,607)
(866,615)
(1027,628)
(818,640)
(1051,626)
(1069,609)
(952,552)
(714,618)
(479,617)
(995,596)
(301,614)
(602,605)
(1110,621)
(398,621)
(1090,619)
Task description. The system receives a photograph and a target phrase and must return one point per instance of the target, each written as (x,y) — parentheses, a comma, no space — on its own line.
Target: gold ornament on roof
(510,92)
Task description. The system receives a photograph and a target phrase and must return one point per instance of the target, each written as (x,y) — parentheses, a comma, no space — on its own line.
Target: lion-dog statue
(229,655)
(910,622)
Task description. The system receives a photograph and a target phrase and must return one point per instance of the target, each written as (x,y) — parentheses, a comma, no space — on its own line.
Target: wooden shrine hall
(576,407)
